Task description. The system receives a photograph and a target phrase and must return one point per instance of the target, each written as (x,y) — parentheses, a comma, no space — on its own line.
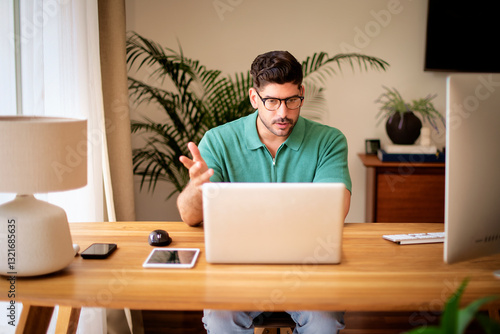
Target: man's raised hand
(199,172)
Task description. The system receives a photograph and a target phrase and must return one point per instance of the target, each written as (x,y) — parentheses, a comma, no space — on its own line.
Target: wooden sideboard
(403,191)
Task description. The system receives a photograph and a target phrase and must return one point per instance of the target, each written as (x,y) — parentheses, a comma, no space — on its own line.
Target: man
(274,144)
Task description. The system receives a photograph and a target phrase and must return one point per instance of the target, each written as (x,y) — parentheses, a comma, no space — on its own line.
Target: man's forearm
(190,205)
(347,202)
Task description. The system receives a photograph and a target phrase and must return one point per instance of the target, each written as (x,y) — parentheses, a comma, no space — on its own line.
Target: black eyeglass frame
(279,105)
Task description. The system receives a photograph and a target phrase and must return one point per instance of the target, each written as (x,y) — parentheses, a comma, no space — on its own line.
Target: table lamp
(38,155)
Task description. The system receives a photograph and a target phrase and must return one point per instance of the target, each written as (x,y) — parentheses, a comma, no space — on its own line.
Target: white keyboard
(415,238)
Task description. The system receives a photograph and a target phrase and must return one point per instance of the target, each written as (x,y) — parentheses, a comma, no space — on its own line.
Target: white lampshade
(42,154)
(38,155)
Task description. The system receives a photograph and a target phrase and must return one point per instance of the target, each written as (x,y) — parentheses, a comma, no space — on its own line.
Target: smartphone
(172,258)
(98,251)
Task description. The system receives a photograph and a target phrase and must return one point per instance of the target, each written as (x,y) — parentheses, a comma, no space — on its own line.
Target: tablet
(172,258)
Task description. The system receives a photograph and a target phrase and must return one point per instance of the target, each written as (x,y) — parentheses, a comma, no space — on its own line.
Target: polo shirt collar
(297,136)
(252,137)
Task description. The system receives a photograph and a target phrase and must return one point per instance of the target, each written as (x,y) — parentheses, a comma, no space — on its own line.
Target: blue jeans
(307,322)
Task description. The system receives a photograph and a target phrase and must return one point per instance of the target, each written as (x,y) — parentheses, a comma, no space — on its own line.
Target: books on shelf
(410,149)
(410,157)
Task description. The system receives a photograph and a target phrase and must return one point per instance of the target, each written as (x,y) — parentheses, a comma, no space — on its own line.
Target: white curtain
(7,69)
(61,77)
(7,59)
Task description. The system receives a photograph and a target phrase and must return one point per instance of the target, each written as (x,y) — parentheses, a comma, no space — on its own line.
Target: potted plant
(194,99)
(402,125)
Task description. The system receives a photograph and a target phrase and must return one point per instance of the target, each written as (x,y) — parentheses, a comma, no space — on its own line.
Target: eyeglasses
(273,103)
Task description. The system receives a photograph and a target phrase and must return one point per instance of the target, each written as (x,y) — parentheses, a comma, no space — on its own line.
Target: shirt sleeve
(332,165)
(208,151)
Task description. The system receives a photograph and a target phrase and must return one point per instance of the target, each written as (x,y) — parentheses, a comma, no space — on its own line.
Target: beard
(279,120)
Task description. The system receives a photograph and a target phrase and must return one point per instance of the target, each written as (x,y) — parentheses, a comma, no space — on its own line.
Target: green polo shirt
(312,153)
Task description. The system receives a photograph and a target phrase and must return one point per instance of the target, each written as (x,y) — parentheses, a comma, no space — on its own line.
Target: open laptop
(298,223)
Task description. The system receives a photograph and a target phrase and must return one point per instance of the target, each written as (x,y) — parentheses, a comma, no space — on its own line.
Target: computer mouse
(159,238)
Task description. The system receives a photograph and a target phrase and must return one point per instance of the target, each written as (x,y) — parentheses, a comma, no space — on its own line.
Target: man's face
(279,122)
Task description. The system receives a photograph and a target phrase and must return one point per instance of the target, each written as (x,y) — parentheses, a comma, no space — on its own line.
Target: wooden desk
(404,191)
(375,275)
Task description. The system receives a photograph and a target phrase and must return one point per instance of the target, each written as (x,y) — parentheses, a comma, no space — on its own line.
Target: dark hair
(276,67)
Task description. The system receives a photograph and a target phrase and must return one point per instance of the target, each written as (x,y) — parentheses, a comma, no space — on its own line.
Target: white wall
(228,34)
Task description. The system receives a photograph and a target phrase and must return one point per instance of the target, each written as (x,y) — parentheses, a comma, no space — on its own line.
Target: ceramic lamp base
(37,237)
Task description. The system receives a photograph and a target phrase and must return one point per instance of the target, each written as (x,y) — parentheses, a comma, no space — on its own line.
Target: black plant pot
(403,131)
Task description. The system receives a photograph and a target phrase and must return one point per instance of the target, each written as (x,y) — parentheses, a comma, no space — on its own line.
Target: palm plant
(195,99)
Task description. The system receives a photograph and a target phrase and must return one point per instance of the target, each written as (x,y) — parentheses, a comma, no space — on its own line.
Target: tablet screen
(172,258)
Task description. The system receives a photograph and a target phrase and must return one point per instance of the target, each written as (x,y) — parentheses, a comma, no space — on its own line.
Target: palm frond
(314,103)
(320,66)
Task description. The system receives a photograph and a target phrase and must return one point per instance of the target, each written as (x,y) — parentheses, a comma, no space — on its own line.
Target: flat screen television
(463,36)
(472,186)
